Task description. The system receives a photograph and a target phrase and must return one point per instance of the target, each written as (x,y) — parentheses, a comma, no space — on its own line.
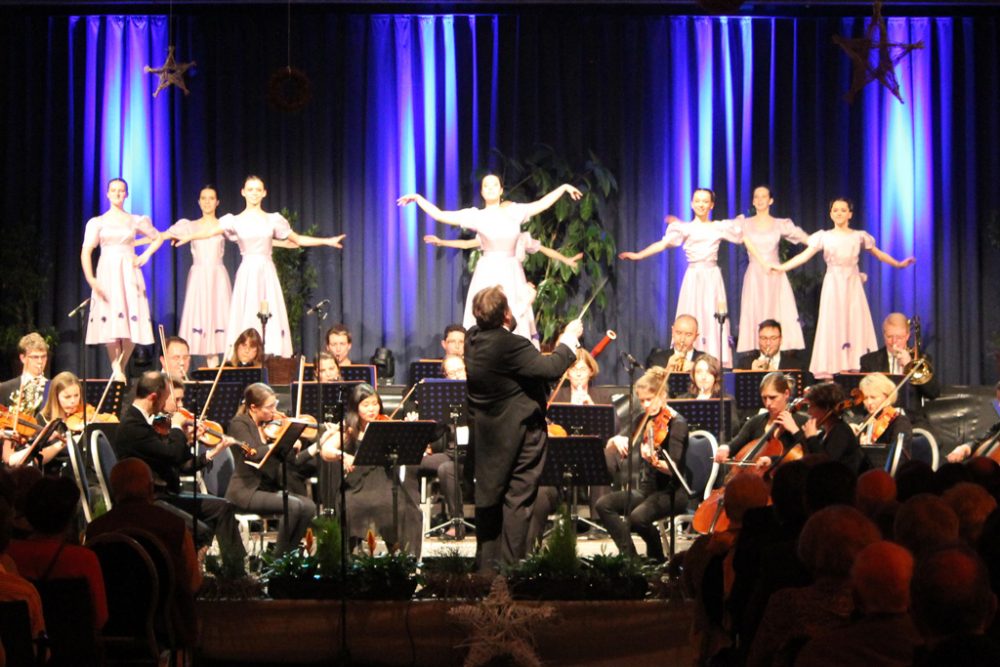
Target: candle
(720,307)
(263,308)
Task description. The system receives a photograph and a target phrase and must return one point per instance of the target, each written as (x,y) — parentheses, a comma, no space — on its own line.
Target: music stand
(444,401)
(425,369)
(113,402)
(596,420)
(573,461)
(225,401)
(241,375)
(392,444)
(359,373)
(747,387)
(280,449)
(317,395)
(678,383)
(705,414)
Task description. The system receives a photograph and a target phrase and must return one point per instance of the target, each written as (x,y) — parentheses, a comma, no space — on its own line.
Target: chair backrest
(80,475)
(699,462)
(217,477)
(924,447)
(69,621)
(104,460)
(15,633)
(895,455)
(131,585)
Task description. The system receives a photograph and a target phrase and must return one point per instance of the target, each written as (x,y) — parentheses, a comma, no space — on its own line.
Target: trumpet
(678,363)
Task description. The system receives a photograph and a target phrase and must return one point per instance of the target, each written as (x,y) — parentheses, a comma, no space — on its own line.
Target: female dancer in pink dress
(767,295)
(498,227)
(208,293)
(844,328)
(256,284)
(702,291)
(119,308)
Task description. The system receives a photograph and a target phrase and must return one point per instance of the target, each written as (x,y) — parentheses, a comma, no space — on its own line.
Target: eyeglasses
(770,339)
(37,357)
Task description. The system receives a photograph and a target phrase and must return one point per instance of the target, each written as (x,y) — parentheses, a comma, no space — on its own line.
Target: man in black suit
(681,356)
(507,390)
(893,357)
(166,455)
(769,356)
(31,383)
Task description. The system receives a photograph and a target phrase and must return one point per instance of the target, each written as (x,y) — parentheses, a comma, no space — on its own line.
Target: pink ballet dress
(767,295)
(257,280)
(503,247)
(844,328)
(208,292)
(702,288)
(125,316)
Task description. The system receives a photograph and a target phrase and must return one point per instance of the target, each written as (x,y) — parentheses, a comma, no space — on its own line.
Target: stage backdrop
(406,103)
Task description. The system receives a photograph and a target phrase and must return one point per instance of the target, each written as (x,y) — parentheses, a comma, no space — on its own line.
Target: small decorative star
(171,73)
(501,628)
(859,51)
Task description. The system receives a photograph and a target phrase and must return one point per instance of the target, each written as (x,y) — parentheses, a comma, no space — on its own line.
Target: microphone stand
(80,312)
(321,314)
(345,537)
(631,366)
(721,317)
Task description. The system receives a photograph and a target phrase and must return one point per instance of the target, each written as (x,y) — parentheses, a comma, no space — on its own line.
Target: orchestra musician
(248,350)
(327,369)
(254,489)
(31,386)
(654,496)
(507,396)
(453,342)
(894,355)
(176,359)
(369,488)
(168,455)
(769,356)
(338,343)
(680,357)
(884,427)
(775,393)
(965,450)
(827,433)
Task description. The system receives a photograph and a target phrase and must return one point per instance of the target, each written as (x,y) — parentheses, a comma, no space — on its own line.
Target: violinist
(653,498)
(369,488)
(169,455)
(248,350)
(259,489)
(775,392)
(827,433)
(991,437)
(885,426)
(63,400)
(327,369)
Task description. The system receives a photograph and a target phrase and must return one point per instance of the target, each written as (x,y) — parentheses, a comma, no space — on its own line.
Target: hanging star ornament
(883,69)
(501,628)
(171,73)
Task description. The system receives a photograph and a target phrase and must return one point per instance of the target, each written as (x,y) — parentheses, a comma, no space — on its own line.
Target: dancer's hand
(907,262)
(139,261)
(180,240)
(629,255)
(336,241)
(431,239)
(407,199)
(572,261)
(98,292)
(574,193)
(671,218)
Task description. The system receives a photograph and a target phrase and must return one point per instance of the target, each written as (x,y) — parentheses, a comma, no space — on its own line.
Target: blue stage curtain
(416,103)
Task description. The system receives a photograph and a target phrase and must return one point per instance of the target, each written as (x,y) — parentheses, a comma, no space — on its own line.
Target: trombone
(919,370)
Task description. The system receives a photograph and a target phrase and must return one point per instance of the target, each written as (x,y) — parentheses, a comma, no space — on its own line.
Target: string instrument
(711,514)
(879,422)
(16,425)
(45,434)
(88,414)
(990,447)
(312,431)
(212,434)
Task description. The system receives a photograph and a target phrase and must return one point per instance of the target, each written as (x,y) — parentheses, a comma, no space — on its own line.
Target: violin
(18,424)
(75,421)
(212,434)
(660,428)
(879,425)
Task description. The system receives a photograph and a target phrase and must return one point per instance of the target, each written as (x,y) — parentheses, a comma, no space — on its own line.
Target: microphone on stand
(319,306)
(76,311)
(630,362)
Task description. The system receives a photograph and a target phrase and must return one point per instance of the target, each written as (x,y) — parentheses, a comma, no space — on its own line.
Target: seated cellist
(775,393)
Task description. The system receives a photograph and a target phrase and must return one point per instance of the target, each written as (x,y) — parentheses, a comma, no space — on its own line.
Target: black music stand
(575,460)
(678,383)
(705,414)
(317,395)
(225,401)
(596,420)
(280,450)
(113,402)
(747,387)
(359,373)
(392,444)
(241,375)
(425,369)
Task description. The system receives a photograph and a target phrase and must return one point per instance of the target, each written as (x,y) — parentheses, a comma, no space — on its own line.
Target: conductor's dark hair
(151,382)
(489,307)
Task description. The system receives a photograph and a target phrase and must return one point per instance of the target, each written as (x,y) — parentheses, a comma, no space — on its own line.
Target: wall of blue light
(416,103)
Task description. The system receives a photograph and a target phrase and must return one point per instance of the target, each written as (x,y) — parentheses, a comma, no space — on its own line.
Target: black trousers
(440,464)
(301,511)
(502,529)
(216,518)
(645,511)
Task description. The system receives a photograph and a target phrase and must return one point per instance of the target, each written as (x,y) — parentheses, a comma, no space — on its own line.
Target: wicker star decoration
(889,54)
(501,628)
(171,73)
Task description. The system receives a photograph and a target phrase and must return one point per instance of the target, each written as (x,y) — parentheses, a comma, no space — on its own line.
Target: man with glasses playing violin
(170,454)
(31,388)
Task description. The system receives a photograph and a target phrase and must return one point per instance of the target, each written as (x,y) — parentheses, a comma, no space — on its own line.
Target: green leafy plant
(298,278)
(329,547)
(569,227)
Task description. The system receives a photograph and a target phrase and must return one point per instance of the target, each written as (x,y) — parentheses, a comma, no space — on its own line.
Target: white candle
(720,307)
(263,308)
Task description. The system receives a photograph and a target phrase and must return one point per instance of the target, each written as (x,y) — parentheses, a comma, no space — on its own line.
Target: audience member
(829,483)
(914,477)
(950,474)
(924,523)
(972,505)
(12,585)
(875,497)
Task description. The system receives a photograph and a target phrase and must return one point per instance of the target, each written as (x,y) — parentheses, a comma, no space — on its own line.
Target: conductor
(507,379)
